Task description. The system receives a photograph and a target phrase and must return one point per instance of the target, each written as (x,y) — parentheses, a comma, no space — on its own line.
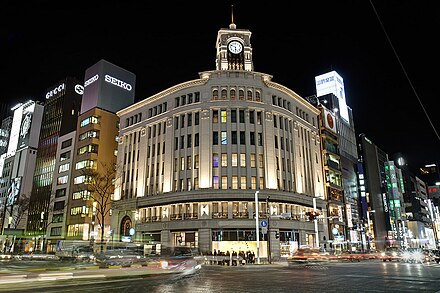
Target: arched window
(241,95)
(215,94)
(249,95)
(232,94)
(224,94)
(125,226)
(257,96)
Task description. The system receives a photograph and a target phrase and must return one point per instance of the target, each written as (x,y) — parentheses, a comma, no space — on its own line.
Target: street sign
(263,223)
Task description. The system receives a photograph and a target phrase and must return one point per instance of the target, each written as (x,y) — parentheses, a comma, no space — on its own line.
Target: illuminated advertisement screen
(14,190)
(333,83)
(23,136)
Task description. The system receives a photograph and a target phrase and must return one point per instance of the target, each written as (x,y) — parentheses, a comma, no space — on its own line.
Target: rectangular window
(224,138)
(215,182)
(188,141)
(243,182)
(55,231)
(215,138)
(60,192)
(234,182)
(241,113)
(215,116)
(234,116)
(242,137)
(224,160)
(182,142)
(64,168)
(252,138)
(89,120)
(260,161)
(242,160)
(253,161)
(189,119)
(224,182)
(234,160)
(65,156)
(253,182)
(223,116)
(251,117)
(188,163)
(182,121)
(196,139)
(215,160)
(196,118)
(234,137)
(182,163)
(58,205)
(196,162)
(62,180)
(261,183)
(259,118)
(66,143)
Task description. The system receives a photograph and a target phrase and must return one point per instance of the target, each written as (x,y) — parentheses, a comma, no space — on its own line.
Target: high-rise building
(61,109)
(199,161)
(374,202)
(330,91)
(19,165)
(107,89)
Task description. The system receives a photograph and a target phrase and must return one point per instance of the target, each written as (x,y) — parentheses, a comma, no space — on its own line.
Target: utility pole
(257,226)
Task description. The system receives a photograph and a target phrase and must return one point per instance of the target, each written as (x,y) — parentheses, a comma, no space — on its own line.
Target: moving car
(180,259)
(391,253)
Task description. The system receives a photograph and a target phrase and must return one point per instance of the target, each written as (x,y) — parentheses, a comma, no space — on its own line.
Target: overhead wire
(404,71)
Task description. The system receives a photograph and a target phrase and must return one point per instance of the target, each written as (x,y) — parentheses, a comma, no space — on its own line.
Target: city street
(368,276)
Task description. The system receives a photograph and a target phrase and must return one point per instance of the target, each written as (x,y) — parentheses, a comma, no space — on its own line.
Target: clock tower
(234,51)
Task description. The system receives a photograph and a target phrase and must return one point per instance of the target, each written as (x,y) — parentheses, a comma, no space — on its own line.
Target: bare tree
(20,209)
(101,184)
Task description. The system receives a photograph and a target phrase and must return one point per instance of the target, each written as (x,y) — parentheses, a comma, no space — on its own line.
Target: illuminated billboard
(13,190)
(108,87)
(333,83)
(329,120)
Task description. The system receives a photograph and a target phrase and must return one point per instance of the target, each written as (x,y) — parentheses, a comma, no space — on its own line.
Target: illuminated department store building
(191,158)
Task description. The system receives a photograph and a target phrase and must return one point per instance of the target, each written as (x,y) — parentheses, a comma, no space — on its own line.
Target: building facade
(93,151)
(61,109)
(192,158)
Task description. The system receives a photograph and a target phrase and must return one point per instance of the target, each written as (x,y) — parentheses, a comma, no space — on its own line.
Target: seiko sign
(55,91)
(117,82)
(91,80)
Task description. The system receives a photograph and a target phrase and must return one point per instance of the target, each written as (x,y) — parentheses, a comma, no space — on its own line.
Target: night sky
(168,43)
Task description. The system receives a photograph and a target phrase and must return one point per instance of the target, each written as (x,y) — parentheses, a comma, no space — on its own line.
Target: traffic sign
(263,223)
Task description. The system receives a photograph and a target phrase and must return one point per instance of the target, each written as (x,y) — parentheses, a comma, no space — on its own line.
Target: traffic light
(312,215)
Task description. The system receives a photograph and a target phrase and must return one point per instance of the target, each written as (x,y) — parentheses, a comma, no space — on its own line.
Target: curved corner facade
(191,158)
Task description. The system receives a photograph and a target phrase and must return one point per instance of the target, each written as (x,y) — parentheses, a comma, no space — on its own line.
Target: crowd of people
(226,258)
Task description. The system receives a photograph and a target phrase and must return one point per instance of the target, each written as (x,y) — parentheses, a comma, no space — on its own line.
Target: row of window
(187,99)
(188,121)
(233,94)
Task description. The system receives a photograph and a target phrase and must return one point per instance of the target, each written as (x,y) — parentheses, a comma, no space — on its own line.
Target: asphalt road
(371,276)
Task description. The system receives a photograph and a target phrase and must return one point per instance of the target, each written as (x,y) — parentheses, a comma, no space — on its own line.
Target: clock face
(235,47)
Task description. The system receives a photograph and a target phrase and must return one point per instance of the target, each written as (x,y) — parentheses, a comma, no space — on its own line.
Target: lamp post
(257,227)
